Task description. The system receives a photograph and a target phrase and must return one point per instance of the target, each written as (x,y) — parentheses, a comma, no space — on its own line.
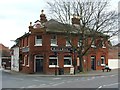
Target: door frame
(94,62)
(35,61)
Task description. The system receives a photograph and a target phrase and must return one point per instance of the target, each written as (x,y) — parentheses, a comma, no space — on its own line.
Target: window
(28,61)
(79,43)
(23,42)
(93,44)
(25,59)
(27,41)
(68,42)
(102,60)
(53,40)
(53,61)
(103,44)
(67,61)
(38,40)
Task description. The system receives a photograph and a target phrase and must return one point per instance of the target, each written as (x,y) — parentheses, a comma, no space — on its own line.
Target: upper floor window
(79,43)
(23,42)
(38,40)
(27,41)
(103,44)
(53,40)
(93,44)
(68,42)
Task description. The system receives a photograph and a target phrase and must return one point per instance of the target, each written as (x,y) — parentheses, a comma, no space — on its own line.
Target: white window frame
(93,44)
(38,40)
(70,58)
(79,42)
(103,44)
(25,57)
(52,57)
(103,57)
(67,43)
(28,59)
(53,40)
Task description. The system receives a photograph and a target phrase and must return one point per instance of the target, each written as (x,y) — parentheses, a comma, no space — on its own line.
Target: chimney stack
(42,17)
(75,20)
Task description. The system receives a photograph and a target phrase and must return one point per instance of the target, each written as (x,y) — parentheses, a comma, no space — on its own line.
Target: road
(25,81)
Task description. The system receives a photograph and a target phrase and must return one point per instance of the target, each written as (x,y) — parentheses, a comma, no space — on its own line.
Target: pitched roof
(5,51)
(54,26)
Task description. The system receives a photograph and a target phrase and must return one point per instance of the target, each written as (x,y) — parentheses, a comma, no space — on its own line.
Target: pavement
(82,74)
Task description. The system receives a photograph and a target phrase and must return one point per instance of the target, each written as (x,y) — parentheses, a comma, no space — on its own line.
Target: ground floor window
(53,61)
(102,60)
(67,61)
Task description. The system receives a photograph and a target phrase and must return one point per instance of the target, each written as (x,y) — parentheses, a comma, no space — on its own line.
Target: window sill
(23,64)
(93,46)
(102,64)
(103,47)
(27,65)
(38,45)
(68,45)
(53,45)
(68,66)
(53,66)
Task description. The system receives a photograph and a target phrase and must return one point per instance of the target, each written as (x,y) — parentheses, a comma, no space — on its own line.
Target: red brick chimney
(42,17)
(75,20)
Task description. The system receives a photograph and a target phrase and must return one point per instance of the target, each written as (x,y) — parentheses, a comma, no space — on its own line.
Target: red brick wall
(45,50)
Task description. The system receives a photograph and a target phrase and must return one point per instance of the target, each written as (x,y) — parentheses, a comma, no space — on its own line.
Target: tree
(90,19)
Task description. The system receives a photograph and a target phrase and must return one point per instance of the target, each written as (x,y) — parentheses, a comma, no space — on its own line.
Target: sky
(15,16)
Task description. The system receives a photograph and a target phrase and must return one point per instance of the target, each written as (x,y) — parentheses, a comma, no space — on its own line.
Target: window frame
(52,40)
(67,43)
(68,58)
(53,57)
(38,40)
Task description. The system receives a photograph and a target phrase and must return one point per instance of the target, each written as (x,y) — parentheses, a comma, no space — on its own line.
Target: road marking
(110,84)
(107,85)
(56,78)
(100,87)
(58,84)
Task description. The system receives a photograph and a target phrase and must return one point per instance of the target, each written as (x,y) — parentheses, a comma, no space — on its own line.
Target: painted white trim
(53,58)
(53,66)
(28,60)
(38,45)
(70,58)
(35,61)
(68,66)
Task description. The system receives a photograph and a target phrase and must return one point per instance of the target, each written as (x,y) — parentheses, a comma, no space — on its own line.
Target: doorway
(39,64)
(93,62)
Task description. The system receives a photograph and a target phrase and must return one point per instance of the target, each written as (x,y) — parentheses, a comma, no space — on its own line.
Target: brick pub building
(45,49)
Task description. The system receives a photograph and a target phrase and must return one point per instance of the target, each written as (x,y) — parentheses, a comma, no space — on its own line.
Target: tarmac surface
(82,74)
